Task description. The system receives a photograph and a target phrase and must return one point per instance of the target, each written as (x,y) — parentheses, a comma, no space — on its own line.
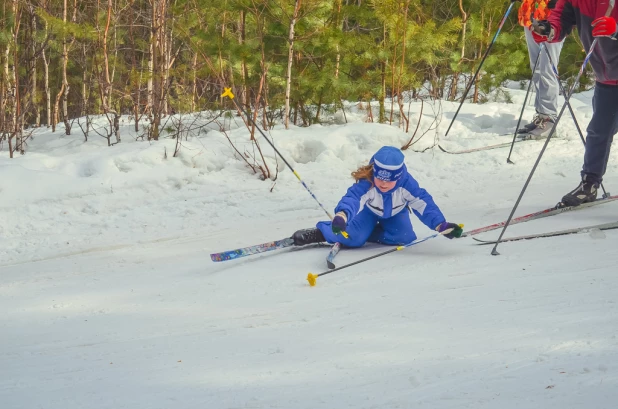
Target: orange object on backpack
(531,8)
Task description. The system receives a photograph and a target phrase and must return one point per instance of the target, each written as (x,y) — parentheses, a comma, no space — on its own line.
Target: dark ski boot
(528,127)
(584,193)
(308,236)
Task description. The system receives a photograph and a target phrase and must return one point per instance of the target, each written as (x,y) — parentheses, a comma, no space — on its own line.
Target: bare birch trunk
(105,81)
(477,79)
(46,61)
(138,100)
(337,61)
(48,116)
(166,59)
(153,83)
(84,108)
(194,85)
(16,131)
(33,89)
(135,98)
(116,125)
(464,20)
(288,78)
(404,119)
(244,70)
(8,97)
(65,81)
(3,94)
(151,58)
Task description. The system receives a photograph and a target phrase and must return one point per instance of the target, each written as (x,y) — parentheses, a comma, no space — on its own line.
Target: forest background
(289,62)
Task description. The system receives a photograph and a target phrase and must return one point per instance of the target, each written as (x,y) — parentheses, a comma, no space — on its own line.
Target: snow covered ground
(110,300)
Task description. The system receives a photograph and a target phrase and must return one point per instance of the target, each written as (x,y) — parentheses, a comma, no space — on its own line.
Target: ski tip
(312,279)
(217,257)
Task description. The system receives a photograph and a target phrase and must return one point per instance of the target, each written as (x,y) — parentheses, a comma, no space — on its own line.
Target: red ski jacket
(581,13)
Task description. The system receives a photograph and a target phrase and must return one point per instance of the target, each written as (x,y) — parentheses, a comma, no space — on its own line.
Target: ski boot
(528,127)
(586,192)
(308,236)
(539,129)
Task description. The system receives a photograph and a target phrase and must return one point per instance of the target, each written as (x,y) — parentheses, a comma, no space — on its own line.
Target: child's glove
(604,27)
(340,222)
(453,234)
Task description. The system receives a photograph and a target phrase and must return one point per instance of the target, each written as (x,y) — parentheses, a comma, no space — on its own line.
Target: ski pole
(228,93)
(506,14)
(494,251)
(523,107)
(312,278)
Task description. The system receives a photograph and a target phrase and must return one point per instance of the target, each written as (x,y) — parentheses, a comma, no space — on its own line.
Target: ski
(332,254)
(530,137)
(482,148)
(248,251)
(551,211)
(605,226)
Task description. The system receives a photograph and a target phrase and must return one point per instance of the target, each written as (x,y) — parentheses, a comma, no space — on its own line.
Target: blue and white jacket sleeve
(350,204)
(422,204)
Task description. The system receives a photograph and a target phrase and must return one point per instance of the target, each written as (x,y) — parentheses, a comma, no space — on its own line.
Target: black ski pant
(601,130)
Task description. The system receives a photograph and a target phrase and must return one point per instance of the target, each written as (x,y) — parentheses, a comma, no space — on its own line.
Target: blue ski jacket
(406,192)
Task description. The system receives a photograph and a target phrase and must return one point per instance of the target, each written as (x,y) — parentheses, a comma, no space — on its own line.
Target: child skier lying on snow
(375,208)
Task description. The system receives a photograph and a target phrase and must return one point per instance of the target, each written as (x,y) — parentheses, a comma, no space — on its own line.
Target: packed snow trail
(441,325)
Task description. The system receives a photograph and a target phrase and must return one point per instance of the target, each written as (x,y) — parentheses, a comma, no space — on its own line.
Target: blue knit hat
(388,164)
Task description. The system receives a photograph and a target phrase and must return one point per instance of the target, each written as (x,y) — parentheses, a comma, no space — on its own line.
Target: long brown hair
(364,172)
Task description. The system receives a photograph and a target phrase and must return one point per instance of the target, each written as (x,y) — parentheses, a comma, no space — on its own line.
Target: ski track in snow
(110,299)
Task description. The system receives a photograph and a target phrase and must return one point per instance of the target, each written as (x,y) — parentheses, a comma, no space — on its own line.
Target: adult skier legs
(601,131)
(546,86)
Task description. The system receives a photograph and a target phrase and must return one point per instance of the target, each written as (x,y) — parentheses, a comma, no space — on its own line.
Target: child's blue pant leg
(394,231)
(359,229)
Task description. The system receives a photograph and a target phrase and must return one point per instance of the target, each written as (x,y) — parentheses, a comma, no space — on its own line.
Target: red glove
(604,27)
(538,38)
(541,30)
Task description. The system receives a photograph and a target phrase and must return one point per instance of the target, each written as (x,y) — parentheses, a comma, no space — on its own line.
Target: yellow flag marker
(228,93)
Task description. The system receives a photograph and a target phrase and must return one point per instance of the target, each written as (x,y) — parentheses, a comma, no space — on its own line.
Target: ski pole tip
(312,279)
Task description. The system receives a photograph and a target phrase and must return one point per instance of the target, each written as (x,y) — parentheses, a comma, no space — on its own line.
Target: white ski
(605,226)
